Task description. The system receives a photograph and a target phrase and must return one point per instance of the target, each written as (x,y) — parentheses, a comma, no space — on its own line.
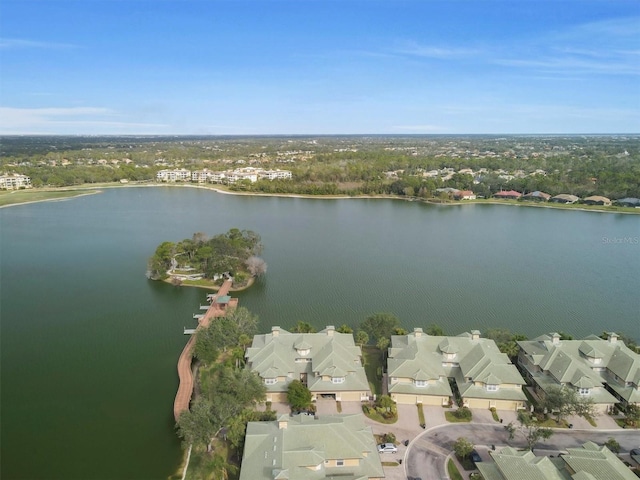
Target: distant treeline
(582,166)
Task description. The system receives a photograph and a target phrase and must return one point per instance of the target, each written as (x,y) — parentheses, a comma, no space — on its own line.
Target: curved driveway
(426,454)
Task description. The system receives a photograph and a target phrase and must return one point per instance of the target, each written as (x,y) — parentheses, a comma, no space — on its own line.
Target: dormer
(302,348)
(590,353)
(448,349)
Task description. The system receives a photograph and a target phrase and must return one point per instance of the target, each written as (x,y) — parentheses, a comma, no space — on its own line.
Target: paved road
(426,455)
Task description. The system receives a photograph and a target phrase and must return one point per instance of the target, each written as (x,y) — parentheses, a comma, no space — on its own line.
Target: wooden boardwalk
(185,389)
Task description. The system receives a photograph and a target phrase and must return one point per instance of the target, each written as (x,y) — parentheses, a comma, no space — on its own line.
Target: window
(583,391)
(303,360)
(492,388)
(421,383)
(337,379)
(270,381)
(340,462)
(303,351)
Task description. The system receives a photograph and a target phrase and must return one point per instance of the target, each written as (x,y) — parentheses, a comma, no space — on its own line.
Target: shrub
(463,413)
(389,438)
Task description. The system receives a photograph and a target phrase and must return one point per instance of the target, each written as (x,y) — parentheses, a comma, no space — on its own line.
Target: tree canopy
(298,395)
(235,252)
(380,325)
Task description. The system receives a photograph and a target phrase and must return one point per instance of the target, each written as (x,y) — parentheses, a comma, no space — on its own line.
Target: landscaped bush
(463,413)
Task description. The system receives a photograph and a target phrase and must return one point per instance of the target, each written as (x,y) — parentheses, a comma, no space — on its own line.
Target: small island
(206,262)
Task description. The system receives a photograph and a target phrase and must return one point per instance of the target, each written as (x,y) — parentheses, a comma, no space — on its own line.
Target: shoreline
(98,189)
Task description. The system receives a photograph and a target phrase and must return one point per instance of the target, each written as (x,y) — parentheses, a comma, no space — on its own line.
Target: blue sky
(319,66)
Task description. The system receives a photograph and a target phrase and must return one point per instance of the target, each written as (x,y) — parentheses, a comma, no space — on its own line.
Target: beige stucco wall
(409,399)
(498,404)
(276,397)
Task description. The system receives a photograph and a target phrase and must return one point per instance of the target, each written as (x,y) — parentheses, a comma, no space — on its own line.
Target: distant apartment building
(251,174)
(14,181)
(178,175)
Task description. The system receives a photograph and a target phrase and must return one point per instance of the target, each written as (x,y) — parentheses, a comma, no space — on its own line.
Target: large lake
(89,345)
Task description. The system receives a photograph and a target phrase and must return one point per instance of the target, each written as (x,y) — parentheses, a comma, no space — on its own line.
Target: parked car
(475,456)
(387,448)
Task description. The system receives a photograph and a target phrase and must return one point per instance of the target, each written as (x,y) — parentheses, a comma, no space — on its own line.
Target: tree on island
(233,253)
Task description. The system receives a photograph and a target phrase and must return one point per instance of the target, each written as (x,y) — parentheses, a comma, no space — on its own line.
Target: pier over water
(220,302)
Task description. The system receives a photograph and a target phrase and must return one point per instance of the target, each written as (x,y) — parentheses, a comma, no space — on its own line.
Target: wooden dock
(215,309)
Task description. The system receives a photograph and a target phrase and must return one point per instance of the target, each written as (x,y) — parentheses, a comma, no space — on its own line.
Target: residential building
(606,371)
(589,462)
(422,369)
(201,176)
(464,195)
(564,198)
(178,175)
(508,195)
(14,181)
(597,200)
(303,447)
(274,174)
(536,196)
(628,202)
(328,363)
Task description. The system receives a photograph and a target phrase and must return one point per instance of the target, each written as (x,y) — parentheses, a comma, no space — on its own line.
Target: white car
(387,448)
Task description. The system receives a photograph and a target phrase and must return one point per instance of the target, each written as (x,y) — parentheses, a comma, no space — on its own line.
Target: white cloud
(67,120)
(432,51)
(21,43)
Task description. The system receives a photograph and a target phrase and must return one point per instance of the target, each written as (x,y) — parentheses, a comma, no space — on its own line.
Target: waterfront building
(606,371)
(564,198)
(464,195)
(177,175)
(588,462)
(14,181)
(536,196)
(508,195)
(327,362)
(597,200)
(303,447)
(420,368)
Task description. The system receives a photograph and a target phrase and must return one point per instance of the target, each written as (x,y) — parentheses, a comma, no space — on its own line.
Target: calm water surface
(89,345)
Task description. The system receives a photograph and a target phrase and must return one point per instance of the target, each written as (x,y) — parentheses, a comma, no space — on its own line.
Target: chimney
(612,337)
(417,332)
(275,331)
(555,338)
(330,330)
(475,334)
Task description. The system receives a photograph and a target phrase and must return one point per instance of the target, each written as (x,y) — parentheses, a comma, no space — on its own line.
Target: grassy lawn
(454,474)
(551,423)
(21,196)
(205,283)
(373,362)
(375,416)
(453,418)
